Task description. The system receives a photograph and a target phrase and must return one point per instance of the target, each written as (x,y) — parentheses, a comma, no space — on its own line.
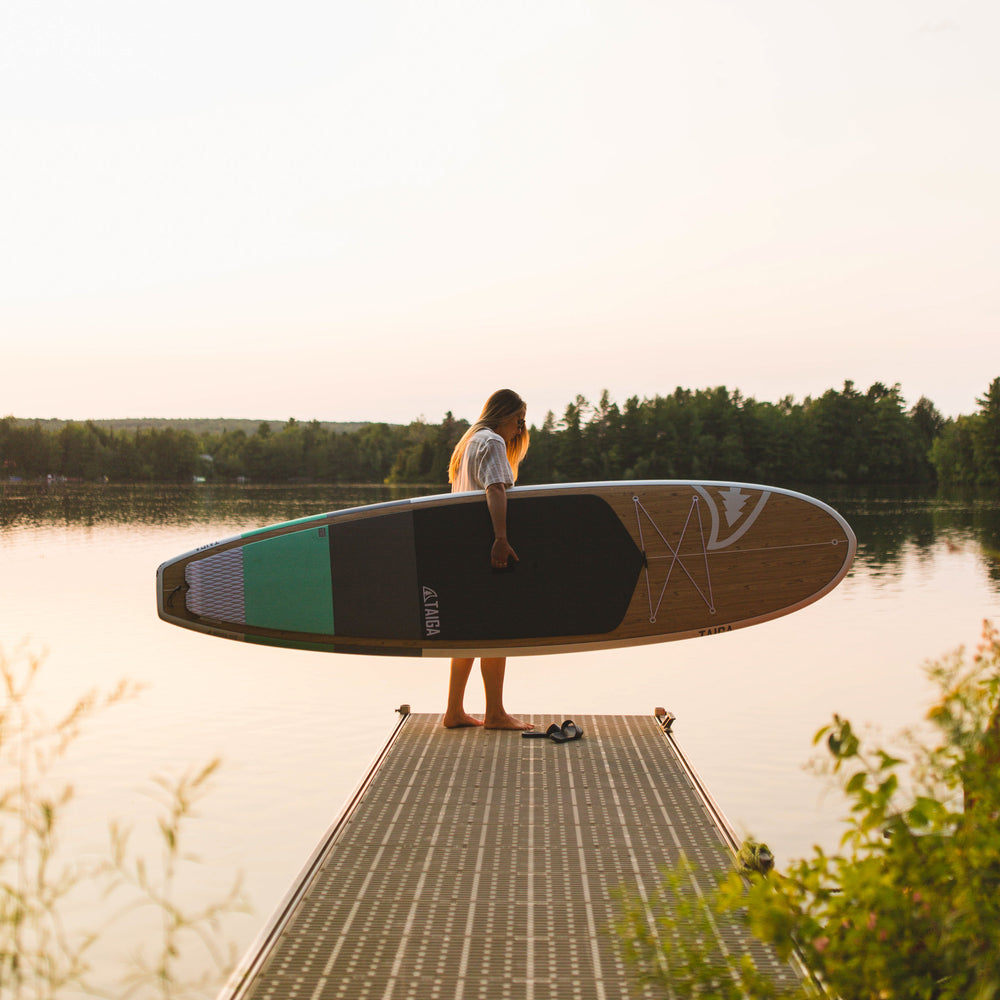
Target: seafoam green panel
(286,582)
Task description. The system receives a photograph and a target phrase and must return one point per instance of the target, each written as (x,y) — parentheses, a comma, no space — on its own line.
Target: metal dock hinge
(664,718)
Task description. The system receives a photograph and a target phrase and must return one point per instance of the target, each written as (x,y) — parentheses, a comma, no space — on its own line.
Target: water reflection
(888,521)
(34,506)
(891,522)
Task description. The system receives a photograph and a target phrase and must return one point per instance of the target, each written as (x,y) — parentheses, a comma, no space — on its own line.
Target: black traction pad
(427,574)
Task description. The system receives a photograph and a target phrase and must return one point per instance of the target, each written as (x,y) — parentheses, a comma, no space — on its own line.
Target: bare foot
(459,720)
(506,721)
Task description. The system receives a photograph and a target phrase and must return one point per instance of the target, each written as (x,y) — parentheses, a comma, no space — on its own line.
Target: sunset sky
(385,210)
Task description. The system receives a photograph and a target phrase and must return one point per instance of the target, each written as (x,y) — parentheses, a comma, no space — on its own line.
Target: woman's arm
(496,501)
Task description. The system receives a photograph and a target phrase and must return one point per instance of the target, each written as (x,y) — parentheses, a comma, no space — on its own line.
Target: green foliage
(424,455)
(844,435)
(909,907)
(674,939)
(952,453)
(44,955)
(986,436)
(968,449)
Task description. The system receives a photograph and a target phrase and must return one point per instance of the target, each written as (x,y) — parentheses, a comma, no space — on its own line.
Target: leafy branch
(909,906)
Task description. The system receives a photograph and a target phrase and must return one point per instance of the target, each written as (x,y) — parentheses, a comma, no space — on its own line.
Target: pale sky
(385,210)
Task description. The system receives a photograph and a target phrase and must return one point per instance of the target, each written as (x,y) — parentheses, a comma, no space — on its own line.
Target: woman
(486,458)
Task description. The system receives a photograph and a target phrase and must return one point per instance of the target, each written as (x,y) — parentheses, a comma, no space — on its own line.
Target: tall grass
(44,951)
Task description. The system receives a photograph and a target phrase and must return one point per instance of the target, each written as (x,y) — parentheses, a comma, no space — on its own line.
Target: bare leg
(455,715)
(493,668)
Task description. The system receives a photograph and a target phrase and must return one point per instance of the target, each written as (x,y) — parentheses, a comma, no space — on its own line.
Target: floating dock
(476,864)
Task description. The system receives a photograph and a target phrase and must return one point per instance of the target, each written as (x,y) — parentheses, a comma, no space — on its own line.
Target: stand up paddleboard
(601,565)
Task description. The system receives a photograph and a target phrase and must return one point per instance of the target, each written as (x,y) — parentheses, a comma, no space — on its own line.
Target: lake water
(296,730)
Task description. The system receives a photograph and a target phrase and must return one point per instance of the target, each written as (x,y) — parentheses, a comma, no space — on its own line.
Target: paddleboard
(602,565)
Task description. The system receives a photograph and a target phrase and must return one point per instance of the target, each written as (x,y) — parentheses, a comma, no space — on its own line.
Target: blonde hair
(502,404)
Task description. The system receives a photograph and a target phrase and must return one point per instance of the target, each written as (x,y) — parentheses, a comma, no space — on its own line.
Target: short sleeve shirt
(484,463)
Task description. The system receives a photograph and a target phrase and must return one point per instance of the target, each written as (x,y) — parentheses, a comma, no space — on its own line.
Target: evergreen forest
(845,435)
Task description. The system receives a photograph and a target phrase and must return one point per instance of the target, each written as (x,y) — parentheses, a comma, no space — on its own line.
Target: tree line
(843,436)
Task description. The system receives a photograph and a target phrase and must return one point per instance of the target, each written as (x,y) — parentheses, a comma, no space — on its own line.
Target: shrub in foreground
(908,907)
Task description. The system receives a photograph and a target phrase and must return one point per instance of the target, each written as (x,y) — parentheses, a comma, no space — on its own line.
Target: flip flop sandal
(571,730)
(537,734)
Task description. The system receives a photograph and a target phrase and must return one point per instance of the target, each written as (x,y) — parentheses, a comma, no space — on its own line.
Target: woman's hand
(501,554)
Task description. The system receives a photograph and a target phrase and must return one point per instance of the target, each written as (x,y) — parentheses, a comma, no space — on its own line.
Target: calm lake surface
(297,730)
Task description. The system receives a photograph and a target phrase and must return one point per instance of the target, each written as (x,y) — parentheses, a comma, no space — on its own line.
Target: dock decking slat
(480,865)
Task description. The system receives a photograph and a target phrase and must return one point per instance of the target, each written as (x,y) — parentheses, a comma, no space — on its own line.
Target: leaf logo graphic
(740,507)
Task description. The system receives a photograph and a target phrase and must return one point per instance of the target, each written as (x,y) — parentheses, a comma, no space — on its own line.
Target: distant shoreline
(197,425)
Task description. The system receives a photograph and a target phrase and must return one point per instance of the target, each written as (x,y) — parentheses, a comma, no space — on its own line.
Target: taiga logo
(432,612)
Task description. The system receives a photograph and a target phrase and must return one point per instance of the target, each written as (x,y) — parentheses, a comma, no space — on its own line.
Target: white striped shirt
(483,464)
